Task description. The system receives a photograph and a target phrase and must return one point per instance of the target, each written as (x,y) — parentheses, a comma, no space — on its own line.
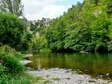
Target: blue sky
(67,2)
(36,9)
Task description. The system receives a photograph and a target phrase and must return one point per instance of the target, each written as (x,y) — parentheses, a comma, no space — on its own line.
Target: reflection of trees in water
(88,63)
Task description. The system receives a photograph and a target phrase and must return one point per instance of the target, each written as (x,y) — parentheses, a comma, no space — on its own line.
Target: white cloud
(36,9)
(54,10)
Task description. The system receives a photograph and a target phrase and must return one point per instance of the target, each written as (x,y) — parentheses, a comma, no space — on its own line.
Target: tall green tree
(86,27)
(13,32)
(12,6)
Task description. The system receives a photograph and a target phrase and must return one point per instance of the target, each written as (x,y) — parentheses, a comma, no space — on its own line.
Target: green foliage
(9,62)
(12,6)
(13,32)
(2,69)
(85,27)
(38,42)
(7,79)
(39,25)
(7,49)
(10,67)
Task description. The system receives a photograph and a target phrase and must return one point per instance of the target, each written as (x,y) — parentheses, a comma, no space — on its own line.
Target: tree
(12,6)
(95,1)
(13,32)
(39,25)
(109,8)
(85,27)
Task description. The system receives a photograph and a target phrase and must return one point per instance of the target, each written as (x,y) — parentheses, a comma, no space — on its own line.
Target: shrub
(10,67)
(2,68)
(109,46)
(12,31)
(38,43)
(11,64)
(8,79)
(7,49)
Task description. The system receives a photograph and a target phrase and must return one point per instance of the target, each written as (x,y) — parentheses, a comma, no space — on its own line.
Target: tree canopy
(86,27)
(11,6)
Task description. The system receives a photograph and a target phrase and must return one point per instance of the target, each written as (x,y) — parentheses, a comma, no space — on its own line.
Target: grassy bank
(10,67)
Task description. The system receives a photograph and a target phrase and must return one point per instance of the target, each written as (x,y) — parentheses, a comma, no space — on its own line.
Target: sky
(36,9)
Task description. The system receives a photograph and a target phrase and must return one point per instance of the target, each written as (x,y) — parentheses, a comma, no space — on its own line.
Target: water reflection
(88,63)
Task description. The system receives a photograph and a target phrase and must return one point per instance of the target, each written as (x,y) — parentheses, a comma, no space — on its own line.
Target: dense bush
(10,67)
(2,69)
(9,63)
(8,50)
(13,31)
(8,79)
(38,42)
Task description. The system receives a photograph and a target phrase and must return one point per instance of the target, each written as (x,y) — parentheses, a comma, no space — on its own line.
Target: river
(73,68)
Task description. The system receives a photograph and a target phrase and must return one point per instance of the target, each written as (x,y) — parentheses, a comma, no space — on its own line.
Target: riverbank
(56,68)
(64,76)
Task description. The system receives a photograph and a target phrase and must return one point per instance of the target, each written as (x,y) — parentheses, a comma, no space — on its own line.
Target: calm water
(93,64)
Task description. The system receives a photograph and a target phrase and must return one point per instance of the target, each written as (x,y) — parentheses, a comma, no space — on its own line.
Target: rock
(27,56)
(110,83)
(66,78)
(83,52)
(92,81)
(25,62)
(29,68)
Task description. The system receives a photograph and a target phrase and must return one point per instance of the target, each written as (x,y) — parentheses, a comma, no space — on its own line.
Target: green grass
(56,79)
(34,80)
